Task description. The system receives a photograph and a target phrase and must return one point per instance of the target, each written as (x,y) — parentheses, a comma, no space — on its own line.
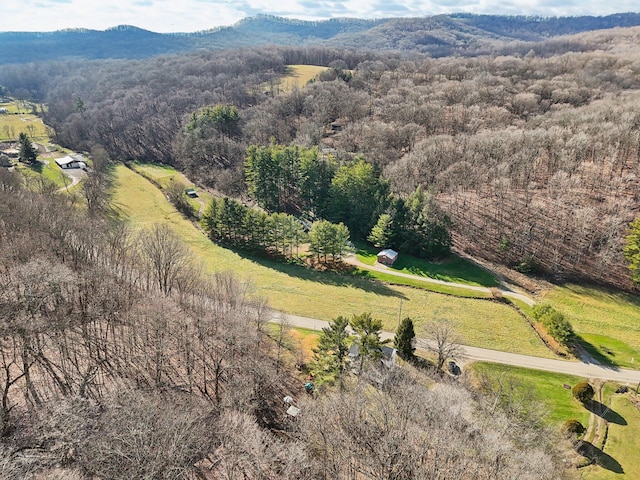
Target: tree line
(229,222)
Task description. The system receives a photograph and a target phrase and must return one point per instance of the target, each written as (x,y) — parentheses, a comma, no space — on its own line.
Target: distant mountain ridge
(437,35)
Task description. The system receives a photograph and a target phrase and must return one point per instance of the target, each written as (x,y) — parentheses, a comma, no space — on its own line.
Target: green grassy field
(19,123)
(622,449)
(50,170)
(453,269)
(299,291)
(423,284)
(546,388)
(164,174)
(608,321)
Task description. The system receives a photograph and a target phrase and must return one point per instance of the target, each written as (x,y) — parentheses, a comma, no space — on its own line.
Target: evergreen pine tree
(382,232)
(404,338)
(28,153)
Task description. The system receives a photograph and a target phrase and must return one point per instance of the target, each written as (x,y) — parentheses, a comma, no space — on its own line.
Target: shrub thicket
(573,428)
(555,322)
(583,391)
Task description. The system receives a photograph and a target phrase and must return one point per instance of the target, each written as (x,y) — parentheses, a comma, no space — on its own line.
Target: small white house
(72,161)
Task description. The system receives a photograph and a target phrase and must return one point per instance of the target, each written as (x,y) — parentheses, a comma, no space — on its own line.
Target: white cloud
(194,15)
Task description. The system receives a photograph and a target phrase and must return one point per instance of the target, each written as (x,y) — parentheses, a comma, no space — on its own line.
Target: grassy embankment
(621,458)
(453,269)
(299,291)
(546,388)
(607,322)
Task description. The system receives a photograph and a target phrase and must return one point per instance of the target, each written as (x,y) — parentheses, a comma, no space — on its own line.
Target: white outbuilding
(72,161)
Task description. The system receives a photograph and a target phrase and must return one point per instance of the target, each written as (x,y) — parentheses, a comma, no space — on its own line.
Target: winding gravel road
(587,368)
(353,260)
(580,369)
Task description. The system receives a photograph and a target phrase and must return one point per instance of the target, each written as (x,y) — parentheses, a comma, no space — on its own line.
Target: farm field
(298,291)
(13,123)
(608,322)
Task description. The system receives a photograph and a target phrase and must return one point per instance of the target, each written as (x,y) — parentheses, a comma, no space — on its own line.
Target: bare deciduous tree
(443,341)
(166,256)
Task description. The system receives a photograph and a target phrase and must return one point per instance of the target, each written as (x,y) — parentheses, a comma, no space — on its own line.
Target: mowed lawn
(609,321)
(452,269)
(298,291)
(546,388)
(622,449)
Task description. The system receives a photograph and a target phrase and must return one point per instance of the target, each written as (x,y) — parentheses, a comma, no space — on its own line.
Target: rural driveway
(75,174)
(580,369)
(353,260)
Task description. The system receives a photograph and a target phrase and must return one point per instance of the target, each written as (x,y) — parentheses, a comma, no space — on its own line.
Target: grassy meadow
(453,269)
(546,388)
(299,291)
(298,76)
(17,121)
(607,322)
(163,175)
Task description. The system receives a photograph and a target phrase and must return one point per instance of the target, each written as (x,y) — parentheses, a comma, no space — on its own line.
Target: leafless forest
(120,360)
(535,155)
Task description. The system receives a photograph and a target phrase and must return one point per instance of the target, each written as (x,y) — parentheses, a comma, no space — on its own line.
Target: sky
(197,15)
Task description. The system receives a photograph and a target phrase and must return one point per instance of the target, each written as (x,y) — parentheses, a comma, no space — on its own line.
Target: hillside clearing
(325,296)
(609,321)
(298,76)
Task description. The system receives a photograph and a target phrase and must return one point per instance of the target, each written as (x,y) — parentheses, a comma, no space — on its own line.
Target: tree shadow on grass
(36,166)
(594,355)
(598,457)
(605,412)
(325,278)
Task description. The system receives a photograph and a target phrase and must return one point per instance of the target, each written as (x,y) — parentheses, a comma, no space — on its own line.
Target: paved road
(353,260)
(581,369)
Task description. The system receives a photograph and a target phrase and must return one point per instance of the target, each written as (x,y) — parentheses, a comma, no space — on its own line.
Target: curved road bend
(580,369)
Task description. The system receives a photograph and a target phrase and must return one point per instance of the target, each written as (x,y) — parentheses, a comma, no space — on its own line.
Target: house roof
(388,353)
(69,159)
(390,254)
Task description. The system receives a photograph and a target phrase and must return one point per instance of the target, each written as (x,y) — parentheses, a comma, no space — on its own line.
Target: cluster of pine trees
(301,180)
(230,222)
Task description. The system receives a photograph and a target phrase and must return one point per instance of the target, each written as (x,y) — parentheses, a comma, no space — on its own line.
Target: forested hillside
(534,157)
(437,36)
(120,360)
